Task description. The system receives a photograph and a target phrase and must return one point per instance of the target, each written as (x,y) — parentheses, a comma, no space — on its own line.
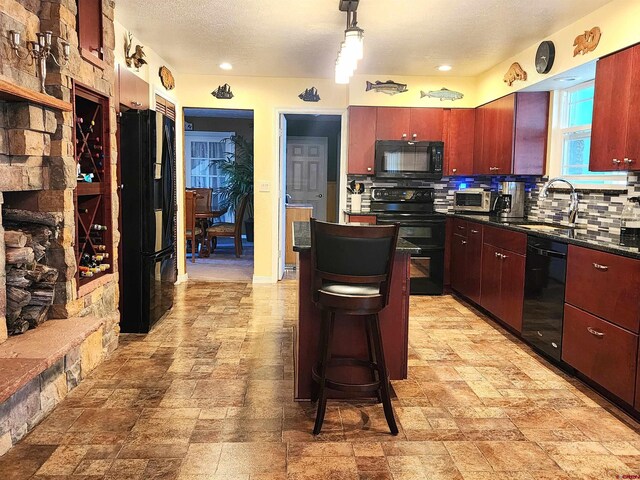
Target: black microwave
(409,160)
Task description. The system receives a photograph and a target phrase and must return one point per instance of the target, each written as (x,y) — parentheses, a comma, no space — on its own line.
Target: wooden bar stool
(352,276)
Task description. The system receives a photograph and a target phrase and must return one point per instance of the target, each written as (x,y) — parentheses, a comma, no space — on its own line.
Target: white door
(203,151)
(307,173)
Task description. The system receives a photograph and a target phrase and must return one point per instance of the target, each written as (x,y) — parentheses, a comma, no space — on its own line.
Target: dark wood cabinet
(369,219)
(511,135)
(89,25)
(399,123)
(502,281)
(459,135)
(602,351)
(615,128)
(604,284)
(466,258)
(133,92)
(362,140)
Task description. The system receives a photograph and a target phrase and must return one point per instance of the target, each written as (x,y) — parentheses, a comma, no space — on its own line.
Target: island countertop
(302,240)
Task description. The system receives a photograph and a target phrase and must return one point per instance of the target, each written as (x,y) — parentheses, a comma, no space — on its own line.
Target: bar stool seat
(352,270)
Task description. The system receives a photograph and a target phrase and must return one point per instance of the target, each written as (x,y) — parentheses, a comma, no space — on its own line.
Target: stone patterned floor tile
(208,395)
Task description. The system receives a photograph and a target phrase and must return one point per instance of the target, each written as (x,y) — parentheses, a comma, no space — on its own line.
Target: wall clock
(545,56)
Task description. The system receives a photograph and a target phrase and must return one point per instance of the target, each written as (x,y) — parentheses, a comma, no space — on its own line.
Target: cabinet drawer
(460,227)
(370,219)
(506,239)
(603,352)
(604,284)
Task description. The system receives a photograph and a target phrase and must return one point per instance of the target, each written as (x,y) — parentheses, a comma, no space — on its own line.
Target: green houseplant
(238,170)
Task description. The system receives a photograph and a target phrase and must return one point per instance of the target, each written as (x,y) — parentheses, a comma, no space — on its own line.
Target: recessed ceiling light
(566,79)
(226,66)
(444,68)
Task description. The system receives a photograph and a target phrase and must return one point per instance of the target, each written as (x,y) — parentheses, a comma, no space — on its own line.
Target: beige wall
(268,96)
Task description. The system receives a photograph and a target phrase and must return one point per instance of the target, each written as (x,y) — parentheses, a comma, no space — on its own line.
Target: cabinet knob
(475,231)
(454,170)
(497,255)
(493,169)
(136,104)
(404,135)
(616,161)
(628,161)
(463,242)
(415,135)
(368,169)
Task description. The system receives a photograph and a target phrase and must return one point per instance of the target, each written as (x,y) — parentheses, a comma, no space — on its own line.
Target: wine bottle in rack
(99,228)
(83,210)
(101,248)
(79,120)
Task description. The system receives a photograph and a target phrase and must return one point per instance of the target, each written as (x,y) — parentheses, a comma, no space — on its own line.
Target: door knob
(319,195)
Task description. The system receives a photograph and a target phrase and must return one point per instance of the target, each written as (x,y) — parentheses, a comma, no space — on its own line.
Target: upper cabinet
(615,128)
(398,123)
(458,134)
(131,91)
(511,135)
(362,140)
(89,23)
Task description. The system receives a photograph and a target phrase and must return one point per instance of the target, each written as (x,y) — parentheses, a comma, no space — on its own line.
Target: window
(571,140)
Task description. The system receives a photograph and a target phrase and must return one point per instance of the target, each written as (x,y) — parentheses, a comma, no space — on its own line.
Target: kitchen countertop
(596,240)
(302,240)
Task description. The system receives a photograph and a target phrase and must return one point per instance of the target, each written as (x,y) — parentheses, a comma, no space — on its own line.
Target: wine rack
(94,236)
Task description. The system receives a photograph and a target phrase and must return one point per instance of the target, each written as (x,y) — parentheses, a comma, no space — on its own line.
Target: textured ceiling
(300,38)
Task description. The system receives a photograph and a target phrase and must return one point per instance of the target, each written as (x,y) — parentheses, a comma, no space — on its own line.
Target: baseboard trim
(263,279)
(182,278)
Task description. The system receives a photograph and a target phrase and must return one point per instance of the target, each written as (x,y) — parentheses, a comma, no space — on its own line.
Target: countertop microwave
(409,160)
(475,200)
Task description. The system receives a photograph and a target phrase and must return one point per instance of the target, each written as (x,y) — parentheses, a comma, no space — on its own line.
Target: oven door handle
(545,252)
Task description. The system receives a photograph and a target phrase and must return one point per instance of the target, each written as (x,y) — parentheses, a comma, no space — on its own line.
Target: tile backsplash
(599,211)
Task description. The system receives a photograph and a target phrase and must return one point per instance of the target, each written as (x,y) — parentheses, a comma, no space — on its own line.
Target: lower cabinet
(502,284)
(466,261)
(600,350)
(370,219)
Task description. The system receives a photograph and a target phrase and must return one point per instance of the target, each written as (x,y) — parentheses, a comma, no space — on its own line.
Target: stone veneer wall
(38,172)
(599,211)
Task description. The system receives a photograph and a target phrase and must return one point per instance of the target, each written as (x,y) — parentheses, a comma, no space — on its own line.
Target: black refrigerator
(148,196)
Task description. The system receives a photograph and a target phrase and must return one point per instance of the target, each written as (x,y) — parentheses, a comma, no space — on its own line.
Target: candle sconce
(39,51)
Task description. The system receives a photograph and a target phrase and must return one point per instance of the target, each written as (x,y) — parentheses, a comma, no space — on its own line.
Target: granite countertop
(302,240)
(597,240)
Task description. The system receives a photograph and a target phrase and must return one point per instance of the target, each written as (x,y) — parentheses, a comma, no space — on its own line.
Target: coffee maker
(509,203)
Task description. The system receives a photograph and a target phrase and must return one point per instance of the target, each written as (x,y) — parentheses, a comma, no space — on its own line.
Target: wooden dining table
(203,220)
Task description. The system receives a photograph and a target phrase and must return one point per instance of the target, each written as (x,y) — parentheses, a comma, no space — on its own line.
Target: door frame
(279,212)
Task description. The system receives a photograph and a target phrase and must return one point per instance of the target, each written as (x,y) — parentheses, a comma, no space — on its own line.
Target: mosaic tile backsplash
(599,211)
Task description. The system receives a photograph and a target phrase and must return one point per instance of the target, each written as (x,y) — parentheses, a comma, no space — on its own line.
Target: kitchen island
(349,335)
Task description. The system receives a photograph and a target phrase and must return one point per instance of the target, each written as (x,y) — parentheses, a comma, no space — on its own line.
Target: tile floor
(207,395)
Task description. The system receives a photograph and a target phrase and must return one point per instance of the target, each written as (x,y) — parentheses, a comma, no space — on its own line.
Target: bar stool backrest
(353,255)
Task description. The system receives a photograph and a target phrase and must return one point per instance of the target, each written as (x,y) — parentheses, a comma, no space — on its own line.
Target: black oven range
(413,209)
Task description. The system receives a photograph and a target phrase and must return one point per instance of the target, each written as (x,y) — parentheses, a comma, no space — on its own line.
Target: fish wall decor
(442,94)
(587,41)
(310,95)
(223,92)
(389,87)
(514,73)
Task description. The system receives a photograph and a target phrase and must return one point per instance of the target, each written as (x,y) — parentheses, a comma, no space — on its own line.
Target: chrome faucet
(573,196)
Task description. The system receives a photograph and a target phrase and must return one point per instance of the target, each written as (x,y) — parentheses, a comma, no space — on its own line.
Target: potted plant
(238,172)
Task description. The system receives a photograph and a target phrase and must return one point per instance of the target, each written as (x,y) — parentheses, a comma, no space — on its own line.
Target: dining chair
(203,199)
(227,229)
(192,231)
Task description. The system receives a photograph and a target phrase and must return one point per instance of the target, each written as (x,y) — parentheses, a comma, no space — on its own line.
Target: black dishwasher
(543,311)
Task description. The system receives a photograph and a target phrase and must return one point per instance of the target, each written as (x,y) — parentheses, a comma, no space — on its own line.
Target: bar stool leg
(385,389)
(325,352)
(375,375)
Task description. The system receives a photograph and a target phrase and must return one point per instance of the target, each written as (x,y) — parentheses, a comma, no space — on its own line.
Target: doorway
(310,153)
(218,153)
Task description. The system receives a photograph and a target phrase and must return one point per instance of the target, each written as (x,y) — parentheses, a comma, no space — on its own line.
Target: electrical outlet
(265,186)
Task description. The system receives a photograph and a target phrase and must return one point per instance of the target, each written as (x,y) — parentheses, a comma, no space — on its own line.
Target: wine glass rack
(94,236)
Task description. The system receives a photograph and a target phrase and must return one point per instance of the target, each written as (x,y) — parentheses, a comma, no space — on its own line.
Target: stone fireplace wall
(37,165)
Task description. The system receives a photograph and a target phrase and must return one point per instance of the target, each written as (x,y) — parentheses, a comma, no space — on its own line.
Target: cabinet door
(474,261)
(531,132)
(458,263)
(459,141)
(632,153)
(134,92)
(600,350)
(89,23)
(479,163)
(503,129)
(512,289)
(490,279)
(362,140)
(426,124)
(611,111)
(368,219)
(393,123)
